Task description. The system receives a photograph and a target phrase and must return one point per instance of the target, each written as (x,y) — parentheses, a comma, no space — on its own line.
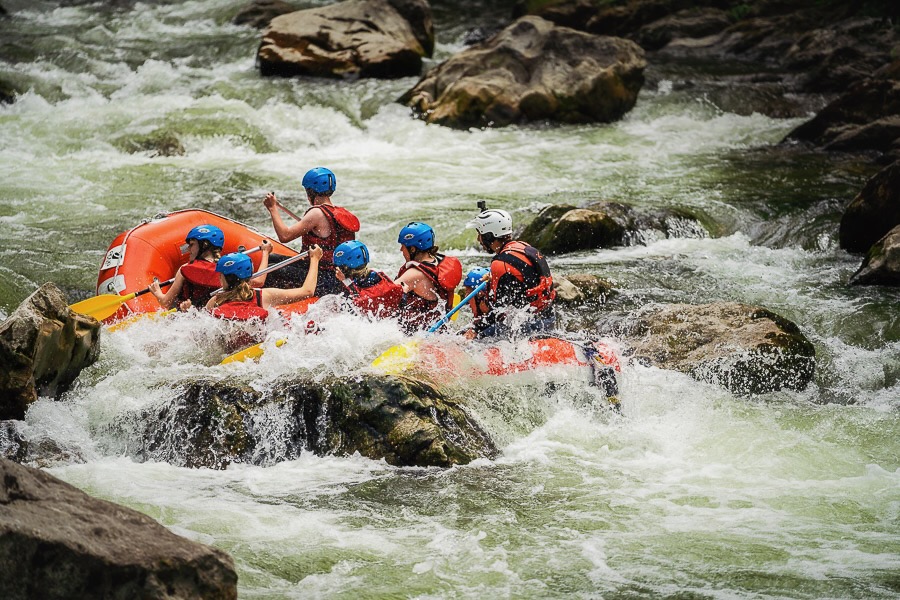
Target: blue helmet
(417,235)
(474,277)
(320,180)
(235,263)
(351,255)
(207,233)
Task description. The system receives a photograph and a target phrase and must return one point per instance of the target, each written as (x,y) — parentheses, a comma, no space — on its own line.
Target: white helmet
(494,221)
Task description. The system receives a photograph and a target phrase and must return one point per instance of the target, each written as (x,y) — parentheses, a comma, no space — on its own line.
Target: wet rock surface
(56,542)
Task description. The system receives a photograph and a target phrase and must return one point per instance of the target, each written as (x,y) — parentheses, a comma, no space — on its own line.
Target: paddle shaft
(274,267)
(462,303)
(288,212)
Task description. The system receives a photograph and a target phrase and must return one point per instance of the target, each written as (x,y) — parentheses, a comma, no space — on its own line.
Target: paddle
(393,361)
(274,267)
(105,305)
(253,352)
(285,209)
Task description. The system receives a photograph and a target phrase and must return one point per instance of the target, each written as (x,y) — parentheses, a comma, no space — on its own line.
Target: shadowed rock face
(356,38)
(873,212)
(531,71)
(43,348)
(746,349)
(403,421)
(57,542)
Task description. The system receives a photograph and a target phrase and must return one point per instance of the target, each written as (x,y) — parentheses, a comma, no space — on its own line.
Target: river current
(691,492)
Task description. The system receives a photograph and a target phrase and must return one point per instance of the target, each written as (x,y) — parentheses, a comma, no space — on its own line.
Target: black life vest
(528,265)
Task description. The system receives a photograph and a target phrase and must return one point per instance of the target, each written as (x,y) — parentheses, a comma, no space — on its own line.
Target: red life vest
(378,296)
(418,312)
(344,226)
(240,310)
(529,266)
(200,281)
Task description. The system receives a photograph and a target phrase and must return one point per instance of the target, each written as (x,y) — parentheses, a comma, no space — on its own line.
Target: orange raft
(156,248)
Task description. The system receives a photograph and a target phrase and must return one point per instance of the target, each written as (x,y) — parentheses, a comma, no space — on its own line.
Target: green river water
(689,493)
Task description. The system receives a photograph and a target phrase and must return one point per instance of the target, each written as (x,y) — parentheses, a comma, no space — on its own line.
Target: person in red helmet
(521,293)
(323,224)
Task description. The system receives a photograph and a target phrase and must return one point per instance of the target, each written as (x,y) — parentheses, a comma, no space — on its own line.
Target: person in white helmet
(521,292)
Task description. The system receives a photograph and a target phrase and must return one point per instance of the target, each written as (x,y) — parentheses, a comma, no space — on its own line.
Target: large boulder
(532,71)
(562,228)
(746,349)
(214,423)
(882,263)
(260,13)
(873,212)
(865,117)
(56,542)
(356,38)
(43,348)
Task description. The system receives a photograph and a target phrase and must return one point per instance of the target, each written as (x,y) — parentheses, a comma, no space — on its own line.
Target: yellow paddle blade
(101,307)
(397,359)
(125,323)
(251,353)
(456,300)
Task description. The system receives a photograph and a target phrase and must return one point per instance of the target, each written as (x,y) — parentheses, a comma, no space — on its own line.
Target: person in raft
(196,281)
(372,292)
(323,224)
(241,302)
(521,292)
(479,303)
(428,278)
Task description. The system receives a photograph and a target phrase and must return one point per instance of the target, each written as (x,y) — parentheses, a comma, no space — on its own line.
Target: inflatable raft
(444,361)
(156,248)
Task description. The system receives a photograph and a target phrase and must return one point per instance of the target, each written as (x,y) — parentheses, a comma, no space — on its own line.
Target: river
(690,493)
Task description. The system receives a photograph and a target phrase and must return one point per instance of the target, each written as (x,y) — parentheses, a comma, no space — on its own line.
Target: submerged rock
(43,348)
(746,349)
(532,71)
(158,143)
(356,38)
(561,228)
(882,263)
(403,421)
(56,542)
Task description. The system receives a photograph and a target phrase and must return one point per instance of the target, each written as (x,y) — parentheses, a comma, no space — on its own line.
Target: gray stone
(43,348)
(56,542)
(532,71)
(882,263)
(356,38)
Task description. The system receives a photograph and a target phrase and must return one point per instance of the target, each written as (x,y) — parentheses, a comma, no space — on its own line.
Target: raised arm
(285,232)
(275,297)
(266,248)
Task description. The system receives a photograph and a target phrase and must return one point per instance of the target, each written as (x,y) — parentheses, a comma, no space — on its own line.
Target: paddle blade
(101,307)
(456,300)
(254,352)
(125,323)
(397,359)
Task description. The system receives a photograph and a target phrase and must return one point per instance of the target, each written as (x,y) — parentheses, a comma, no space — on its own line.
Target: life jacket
(481,315)
(378,296)
(344,226)
(417,312)
(528,265)
(240,310)
(200,281)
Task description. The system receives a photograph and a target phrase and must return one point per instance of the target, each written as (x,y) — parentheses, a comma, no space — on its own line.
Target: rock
(582,290)
(532,71)
(13,445)
(746,349)
(43,348)
(403,421)
(158,143)
(690,23)
(356,38)
(7,93)
(882,263)
(558,229)
(259,14)
(61,543)
(866,117)
(873,212)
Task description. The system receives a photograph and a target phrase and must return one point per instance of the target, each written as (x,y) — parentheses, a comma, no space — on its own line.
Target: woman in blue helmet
(241,302)
(372,292)
(428,278)
(323,224)
(195,281)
